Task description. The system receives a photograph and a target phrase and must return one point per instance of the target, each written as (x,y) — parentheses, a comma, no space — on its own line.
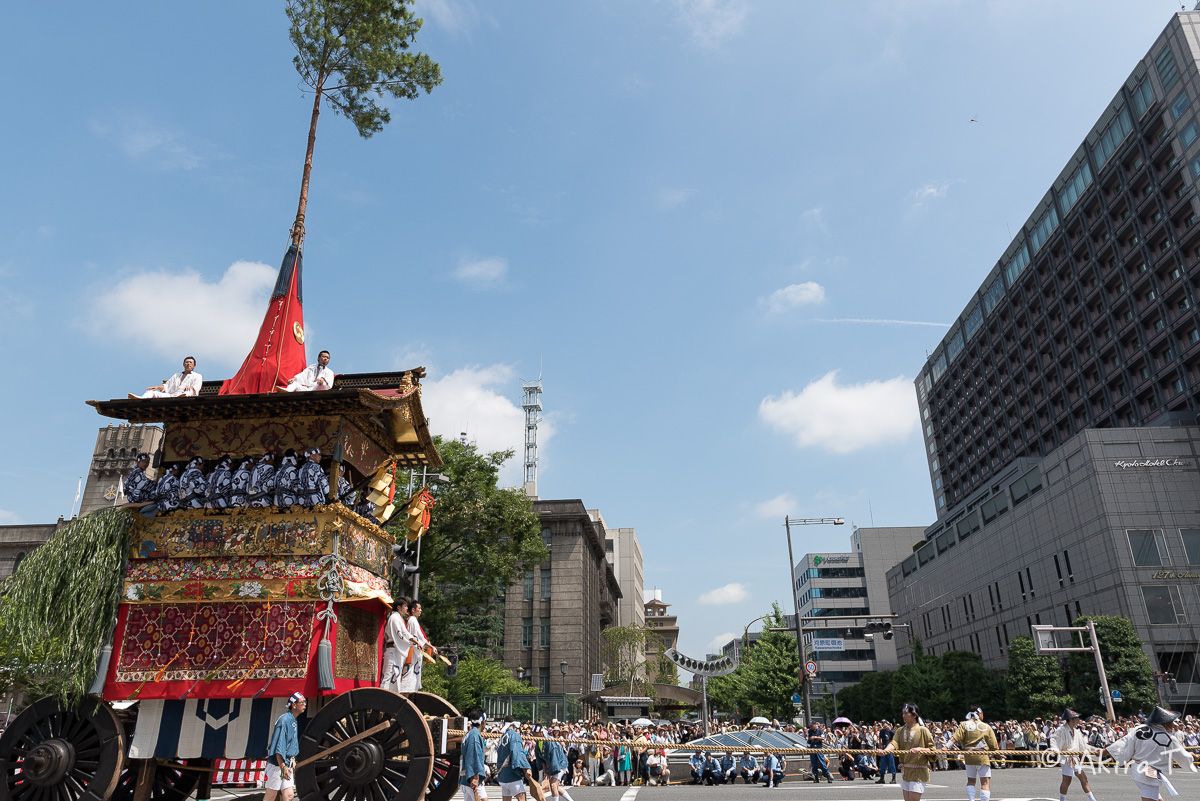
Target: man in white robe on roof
(187,382)
(315,376)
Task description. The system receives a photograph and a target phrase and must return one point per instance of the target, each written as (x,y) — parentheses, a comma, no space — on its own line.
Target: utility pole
(804,679)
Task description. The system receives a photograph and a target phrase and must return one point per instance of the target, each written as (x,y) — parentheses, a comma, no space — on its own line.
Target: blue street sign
(1116,695)
(796,699)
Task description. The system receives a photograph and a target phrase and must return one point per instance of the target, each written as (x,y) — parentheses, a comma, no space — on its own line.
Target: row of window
(543,584)
(543,626)
(837,592)
(828,573)
(1149,546)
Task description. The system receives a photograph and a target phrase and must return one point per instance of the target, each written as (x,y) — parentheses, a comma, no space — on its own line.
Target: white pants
(393,668)
(275,780)
(1148,790)
(512,789)
(979,771)
(912,787)
(471,794)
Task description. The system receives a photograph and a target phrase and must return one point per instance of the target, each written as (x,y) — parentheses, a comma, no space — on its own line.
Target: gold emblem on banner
(298,332)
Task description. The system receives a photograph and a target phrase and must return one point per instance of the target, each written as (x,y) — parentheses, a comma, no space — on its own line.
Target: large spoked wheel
(52,752)
(170,783)
(394,763)
(443,784)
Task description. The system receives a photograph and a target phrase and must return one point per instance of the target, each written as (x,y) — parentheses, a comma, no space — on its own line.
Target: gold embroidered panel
(357,649)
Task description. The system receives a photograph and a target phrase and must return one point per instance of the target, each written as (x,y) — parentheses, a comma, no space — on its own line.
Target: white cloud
(711,22)
(456,16)
(844,417)
(794,295)
(479,401)
(482,274)
(672,198)
(815,219)
(732,593)
(214,321)
(780,505)
(929,191)
(720,641)
(151,143)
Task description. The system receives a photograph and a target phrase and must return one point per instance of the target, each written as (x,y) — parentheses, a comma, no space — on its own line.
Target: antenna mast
(532,404)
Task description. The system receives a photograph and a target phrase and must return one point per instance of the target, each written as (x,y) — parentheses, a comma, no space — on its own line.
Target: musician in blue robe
(262,482)
(193,486)
(345,491)
(139,487)
(240,484)
(219,484)
(287,481)
(314,484)
(166,492)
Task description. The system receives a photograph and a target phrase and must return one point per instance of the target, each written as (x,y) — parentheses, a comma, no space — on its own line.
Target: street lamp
(436,478)
(788,522)
(562,666)
(521,674)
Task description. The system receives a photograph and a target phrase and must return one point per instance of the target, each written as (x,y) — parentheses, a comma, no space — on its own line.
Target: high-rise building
(625,555)
(116,452)
(1060,411)
(1088,319)
(555,613)
(665,626)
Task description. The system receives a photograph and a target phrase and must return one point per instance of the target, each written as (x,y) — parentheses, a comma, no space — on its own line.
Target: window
(546,536)
(1189,133)
(967,526)
(939,367)
(1196,167)
(1143,97)
(1179,106)
(945,541)
(544,582)
(1168,72)
(1058,569)
(526,632)
(1044,228)
(544,681)
(1148,547)
(1112,137)
(1080,180)
(528,588)
(992,297)
(1026,485)
(993,507)
(1163,604)
(955,347)
(974,322)
(543,632)
(1016,265)
(1067,562)
(1191,545)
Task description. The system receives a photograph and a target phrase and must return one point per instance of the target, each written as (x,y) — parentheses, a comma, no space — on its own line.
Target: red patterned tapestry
(212,642)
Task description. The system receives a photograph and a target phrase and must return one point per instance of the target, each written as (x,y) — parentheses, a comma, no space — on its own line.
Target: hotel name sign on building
(1125,465)
(1170,574)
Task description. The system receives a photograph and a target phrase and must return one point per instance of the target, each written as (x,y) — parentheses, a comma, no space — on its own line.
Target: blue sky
(693,216)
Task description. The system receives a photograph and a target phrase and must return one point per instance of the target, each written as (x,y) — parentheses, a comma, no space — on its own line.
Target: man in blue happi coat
(472,774)
(514,765)
(282,750)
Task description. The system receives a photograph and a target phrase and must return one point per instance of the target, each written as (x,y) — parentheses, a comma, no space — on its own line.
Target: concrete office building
(1060,410)
(854,584)
(625,555)
(556,612)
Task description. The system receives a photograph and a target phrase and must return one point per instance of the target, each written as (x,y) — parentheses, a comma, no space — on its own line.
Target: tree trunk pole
(298,226)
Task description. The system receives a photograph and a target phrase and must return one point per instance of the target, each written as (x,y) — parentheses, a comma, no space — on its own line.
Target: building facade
(116,452)
(17,542)
(555,613)
(625,555)
(1089,317)
(851,584)
(665,626)
(1106,524)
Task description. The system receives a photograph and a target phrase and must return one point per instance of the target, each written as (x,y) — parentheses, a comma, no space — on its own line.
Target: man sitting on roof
(315,376)
(186,383)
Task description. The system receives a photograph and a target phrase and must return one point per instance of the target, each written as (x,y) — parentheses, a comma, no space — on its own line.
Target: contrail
(880,322)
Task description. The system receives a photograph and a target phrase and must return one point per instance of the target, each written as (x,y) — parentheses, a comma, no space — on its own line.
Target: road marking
(630,794)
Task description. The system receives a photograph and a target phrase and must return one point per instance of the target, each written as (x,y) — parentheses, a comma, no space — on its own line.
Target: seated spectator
(579,774)
(654,768)
(187,382)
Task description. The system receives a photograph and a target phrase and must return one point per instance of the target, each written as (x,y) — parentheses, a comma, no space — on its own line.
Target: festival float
(217,616)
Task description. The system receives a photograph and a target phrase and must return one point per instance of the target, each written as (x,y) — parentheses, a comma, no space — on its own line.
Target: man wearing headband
(287,481)
(139,487)
(193,486)
(397,649)
(514,765)
(186,383)
(314,484)
(915,742)
(262,483)
(1149,749)
(282,751)
(557,765)
(220,484)
(315,376)
(472,773)
(1069,737)
(975,735)
(166,492)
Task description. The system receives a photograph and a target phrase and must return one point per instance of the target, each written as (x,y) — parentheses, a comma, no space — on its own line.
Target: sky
(725,233)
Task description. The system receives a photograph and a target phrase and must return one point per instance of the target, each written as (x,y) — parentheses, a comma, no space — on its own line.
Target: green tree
(477,676)
(481,538)
(1033,683)
(355,53)
(970,684)
(765,678)
(623,652)
(665,672)
(924,684)
(1125,664)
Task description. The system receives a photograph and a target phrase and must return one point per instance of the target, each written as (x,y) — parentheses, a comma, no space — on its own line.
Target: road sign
(1116,696)
(796,699)
(811,667)
(828,644)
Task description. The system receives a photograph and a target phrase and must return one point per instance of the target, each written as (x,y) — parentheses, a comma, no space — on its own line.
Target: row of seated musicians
(254,482)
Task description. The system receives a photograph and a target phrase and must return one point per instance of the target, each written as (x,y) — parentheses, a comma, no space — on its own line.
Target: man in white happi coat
(315,376)
(1069,737)
(1150,749)
(397,649)
(187,382)
(421,642)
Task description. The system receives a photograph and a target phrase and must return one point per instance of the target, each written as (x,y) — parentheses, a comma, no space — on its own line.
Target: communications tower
(532,404)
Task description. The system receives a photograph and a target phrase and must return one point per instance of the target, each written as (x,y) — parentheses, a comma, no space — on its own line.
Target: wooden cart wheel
(394,763)
(443,784)
(170,783)
(52,752)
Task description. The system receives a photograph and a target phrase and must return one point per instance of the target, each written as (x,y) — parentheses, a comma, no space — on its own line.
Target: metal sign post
(1046,642)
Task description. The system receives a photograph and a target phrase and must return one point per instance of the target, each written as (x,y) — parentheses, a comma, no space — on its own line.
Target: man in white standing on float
(187,382)
(315,376)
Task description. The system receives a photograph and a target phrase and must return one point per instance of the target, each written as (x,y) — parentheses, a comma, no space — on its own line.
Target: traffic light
(880,627)
(452,668)
(401,565)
